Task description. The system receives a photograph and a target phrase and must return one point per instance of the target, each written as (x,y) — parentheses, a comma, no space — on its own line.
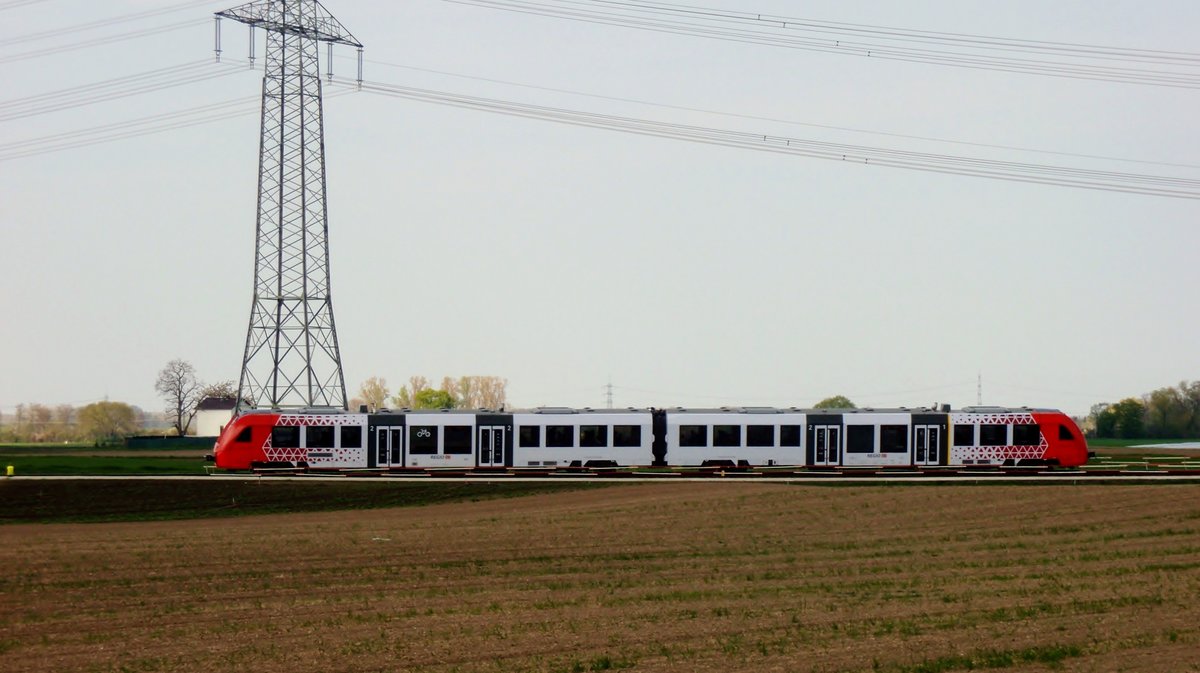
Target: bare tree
(41,419)
(468,396)
(416,384)
(179,388)
(64,422)
(221,390)
(374,392)
(493,393)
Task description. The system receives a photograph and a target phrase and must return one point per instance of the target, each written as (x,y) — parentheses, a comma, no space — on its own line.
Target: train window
(964,435)
(727,435)
(789,435)
(456,439)
(593,436)
(319,437)
(693,435)
(893,438)
(627,435)
(860,439)
(351,437)
(560,436)
(243,436)
(1026,435)
(422,439)
(285,437)
(1064,433)
(530,436)
(760,435)
(993,434)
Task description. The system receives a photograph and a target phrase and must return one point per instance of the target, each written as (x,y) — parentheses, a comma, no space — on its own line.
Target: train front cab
(239,446)
(1067,447)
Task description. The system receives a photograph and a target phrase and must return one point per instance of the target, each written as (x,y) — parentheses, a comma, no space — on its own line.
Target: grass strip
(103,465)
(1048,655)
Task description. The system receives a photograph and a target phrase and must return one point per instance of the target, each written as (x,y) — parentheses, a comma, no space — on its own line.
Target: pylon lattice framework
(292,358)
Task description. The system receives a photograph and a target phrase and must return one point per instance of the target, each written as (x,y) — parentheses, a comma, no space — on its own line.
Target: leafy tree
(374,393)
(835,402)
(402,399)
(1191,396)
(1130,414)
(406,397)
(466,392)
(179,388)
(433,399)
(106,422)
(1106,420)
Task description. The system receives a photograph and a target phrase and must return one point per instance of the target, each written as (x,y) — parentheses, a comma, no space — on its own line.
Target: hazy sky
(559,257)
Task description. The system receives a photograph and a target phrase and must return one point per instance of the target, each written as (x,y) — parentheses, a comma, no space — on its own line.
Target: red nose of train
(240,443)
(1067,445)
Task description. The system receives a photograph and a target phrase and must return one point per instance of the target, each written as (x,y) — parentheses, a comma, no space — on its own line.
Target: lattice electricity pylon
(292,358)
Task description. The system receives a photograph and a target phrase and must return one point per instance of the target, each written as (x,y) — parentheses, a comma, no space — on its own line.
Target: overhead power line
(1061,176)
(911,35)
(134,128)
(120,87)
(776,120)
(109,39)
(1074,61)
(13,4)
(104,23)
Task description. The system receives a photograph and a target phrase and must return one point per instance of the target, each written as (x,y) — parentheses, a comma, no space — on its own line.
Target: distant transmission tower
(292,357)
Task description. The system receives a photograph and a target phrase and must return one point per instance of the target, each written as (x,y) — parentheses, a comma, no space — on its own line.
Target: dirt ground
(656,577)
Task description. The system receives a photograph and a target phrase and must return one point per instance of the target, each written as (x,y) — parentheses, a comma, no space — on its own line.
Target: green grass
(43,446)
(154,499)
(75,464)
(1094,443)
(1050,655)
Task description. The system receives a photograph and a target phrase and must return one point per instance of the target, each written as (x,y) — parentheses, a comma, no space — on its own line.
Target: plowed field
(657,577)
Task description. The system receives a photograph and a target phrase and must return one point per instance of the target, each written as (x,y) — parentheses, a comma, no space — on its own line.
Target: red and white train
(560,438)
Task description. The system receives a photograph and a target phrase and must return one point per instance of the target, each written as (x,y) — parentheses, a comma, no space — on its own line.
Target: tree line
(100,422)
(111,422)
(1166,413)
(464,392)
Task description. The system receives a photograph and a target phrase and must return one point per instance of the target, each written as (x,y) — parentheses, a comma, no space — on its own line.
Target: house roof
(217,404)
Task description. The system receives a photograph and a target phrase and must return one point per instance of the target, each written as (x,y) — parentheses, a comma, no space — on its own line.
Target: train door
(389,447)
(927,444)
(827,443)
(491,446)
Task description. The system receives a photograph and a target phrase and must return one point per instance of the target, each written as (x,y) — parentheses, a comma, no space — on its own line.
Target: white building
(212,414)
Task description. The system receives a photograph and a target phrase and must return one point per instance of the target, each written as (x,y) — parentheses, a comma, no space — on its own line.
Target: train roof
(862,410)
(550,411)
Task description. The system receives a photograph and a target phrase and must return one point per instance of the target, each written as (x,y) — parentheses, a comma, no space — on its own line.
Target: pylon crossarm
(305,19)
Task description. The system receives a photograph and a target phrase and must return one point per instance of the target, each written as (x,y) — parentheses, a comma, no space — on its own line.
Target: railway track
(713,476)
